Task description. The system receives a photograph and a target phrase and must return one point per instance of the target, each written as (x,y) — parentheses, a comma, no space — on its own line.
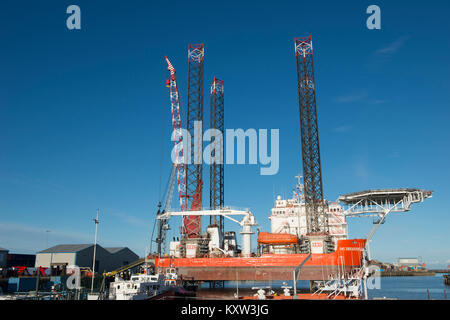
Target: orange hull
(347,257)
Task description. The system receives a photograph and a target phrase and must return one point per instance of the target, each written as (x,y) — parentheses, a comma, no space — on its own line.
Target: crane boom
(177,135)
(163,225)
(167,204)
(191,224)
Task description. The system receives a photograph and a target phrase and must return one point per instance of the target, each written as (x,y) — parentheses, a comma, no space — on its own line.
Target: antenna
(95,249)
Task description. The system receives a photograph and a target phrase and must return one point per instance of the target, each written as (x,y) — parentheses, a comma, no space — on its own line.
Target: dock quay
(419,273)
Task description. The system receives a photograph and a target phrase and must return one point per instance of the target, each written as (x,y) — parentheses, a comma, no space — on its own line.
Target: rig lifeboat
(277,238)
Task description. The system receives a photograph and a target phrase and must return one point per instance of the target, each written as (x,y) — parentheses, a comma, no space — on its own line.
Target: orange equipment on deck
(277,238)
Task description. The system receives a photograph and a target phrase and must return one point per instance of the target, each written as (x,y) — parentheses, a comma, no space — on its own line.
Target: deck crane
(190,223)
(177,135)
(163,225)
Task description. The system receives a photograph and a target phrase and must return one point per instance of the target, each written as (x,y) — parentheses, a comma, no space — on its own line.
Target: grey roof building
(3,257)
(115,250)
(106,259)
(408,262)
(66,248)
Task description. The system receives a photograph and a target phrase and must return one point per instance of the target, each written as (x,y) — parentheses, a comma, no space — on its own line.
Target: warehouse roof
(72,248)
(66,248)
(115,250)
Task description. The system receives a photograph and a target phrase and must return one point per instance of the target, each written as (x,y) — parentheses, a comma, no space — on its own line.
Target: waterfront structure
(107,259)
(412,263)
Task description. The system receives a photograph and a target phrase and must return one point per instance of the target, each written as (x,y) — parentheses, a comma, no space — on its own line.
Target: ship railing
(342,283)
(326,286)
(348,287)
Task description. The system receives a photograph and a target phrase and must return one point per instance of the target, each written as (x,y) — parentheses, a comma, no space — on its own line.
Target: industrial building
(8,260)
(106,259)
(3,257)
(412,263)
(22,260)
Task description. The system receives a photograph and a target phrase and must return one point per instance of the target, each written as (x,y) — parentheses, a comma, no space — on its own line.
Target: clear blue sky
(85,119)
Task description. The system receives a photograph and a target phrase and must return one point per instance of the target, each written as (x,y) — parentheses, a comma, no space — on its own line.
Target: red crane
(191,224)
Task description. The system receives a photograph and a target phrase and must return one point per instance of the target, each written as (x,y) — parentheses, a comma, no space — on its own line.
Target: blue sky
(85,119)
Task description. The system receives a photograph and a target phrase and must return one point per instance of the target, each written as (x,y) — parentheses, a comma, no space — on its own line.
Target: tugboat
(144,286)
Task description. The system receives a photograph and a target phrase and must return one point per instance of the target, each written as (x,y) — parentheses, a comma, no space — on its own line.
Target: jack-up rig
(308,238)
(317,235)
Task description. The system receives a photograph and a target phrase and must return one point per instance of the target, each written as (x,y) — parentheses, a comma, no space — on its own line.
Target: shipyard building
(3,257)
(8,260)
(82,255)
(409,263)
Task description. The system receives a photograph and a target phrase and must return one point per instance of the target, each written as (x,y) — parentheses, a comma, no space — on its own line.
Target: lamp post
(95,248)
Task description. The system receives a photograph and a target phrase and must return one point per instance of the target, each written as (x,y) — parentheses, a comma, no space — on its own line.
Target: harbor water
(411,288)
(401,288)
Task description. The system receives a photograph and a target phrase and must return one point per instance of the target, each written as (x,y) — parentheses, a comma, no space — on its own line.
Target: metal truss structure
(163,225)
(225,212)
(349,285)
(379,203)
(216,172)
(316,207)
(194,171)
(177,134)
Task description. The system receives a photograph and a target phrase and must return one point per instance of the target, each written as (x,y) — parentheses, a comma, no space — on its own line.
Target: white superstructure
(139,287)
(142,286)
(289,216)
